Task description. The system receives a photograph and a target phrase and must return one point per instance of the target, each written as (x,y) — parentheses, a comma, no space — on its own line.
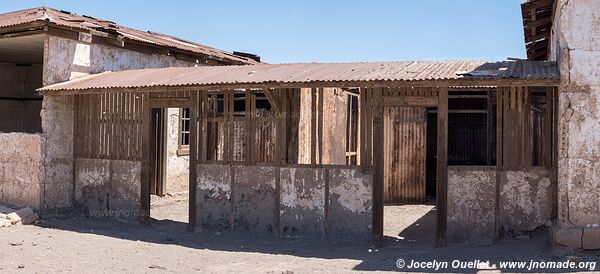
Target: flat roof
(434,73)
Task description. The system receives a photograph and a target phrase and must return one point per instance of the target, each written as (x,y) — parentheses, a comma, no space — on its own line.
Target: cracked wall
(471,205)
(66,59)
(575,45)
(244,198)
(108,188)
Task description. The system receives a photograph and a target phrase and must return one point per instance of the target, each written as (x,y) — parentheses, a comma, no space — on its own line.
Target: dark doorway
(159,152)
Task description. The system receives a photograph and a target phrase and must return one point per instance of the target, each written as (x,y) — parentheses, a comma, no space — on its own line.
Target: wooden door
(405,153)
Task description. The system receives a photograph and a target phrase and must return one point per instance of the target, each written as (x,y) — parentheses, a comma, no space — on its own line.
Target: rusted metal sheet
(405,140)
(309,73)
(45,15)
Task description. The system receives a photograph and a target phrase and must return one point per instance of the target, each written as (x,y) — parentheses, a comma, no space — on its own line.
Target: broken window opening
(184,132)
(352,128)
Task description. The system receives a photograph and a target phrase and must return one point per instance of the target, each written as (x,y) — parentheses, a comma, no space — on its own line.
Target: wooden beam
(420,101)
(273,99)
(193,175)
(500,107)
(146,161)
(378,162)
(341,84)
(442,167)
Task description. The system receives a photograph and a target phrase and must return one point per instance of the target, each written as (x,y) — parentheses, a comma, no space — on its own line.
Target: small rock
(5,223)
(34,243)
(157,267)
(23,216)
(21,266)
(16,243)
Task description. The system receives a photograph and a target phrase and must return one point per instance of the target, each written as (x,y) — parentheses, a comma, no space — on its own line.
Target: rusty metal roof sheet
(274,74)
(87,23)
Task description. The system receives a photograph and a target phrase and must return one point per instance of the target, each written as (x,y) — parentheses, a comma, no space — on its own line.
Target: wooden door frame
(441,164)
(146,169)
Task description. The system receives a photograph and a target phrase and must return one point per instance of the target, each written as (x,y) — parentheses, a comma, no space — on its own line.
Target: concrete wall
(108,188)
(244,198)
(525,202)
(177,165)
(21,169)
(575,45)
(20,82)
(471,205)
(66,59)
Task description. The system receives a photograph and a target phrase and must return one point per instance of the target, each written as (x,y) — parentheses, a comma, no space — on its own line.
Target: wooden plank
(362,145)
(548,130)
(442,168)
(273,98)
(527,130)
(417,101)
(378,162)
(193,166)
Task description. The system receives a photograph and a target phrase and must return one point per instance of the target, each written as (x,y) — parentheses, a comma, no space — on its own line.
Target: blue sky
(323,31)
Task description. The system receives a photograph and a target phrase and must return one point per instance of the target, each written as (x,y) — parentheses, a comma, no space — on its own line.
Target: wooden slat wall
(108,126)
(405,137)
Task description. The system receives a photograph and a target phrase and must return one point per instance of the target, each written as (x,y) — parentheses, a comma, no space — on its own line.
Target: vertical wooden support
(228,103)
(363,129)
(203,126)
(527,130)
(249,130)
(146,154)
(378,161)
(548,132)
(193,161)
(500,107)
(313,127)
(442,167)
(320,125)
(489,129)
(252,134)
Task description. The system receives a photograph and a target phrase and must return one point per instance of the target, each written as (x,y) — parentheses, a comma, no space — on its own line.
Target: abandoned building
(316,150)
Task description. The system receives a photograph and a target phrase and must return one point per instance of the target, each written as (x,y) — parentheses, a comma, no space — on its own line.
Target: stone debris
(10,217)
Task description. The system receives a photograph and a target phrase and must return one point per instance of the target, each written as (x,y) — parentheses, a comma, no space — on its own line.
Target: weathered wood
(378,160)
(442,168)
(417,101)
(146,154)
(320,125)
(500,107)
(193,165)
(362,106)
(313,127)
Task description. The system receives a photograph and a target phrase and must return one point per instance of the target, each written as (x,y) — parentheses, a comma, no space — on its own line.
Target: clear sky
(284,31)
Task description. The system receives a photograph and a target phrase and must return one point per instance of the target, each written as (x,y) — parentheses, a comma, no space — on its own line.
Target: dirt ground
(74,243)
(172,207)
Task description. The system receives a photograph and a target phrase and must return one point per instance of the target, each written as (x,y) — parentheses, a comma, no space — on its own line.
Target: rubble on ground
(10,216)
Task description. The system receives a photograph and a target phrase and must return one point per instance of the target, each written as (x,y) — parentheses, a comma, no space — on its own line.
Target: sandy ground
(172,207)
(74,243)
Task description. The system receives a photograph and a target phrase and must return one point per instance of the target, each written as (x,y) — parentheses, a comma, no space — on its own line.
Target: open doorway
(169,187)
(410,140)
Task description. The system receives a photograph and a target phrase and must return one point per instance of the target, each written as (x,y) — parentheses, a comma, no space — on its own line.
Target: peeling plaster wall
(66,59)
(21,169)
(302,202)
(177,166)
(526,199)
(108,188)
(254,198)
(350,204)
(576,46)
(471,205)
(213,197)
(305,207)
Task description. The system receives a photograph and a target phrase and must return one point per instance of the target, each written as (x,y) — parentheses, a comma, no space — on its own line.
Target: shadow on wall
(368,257)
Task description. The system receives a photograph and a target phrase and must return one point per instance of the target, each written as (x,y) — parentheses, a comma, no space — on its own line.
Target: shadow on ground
(371,258)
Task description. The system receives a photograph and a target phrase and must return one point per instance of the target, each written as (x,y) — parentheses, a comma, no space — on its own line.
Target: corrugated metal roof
(311,72)
(86,23)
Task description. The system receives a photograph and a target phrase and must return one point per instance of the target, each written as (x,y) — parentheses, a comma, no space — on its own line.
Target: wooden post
(193,175)
(442,167)
(146,154)
(500,107)
(363,129)
(313,127)
(378,160)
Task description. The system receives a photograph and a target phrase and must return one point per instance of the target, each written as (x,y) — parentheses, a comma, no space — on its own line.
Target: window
(184,132)
(471,128)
